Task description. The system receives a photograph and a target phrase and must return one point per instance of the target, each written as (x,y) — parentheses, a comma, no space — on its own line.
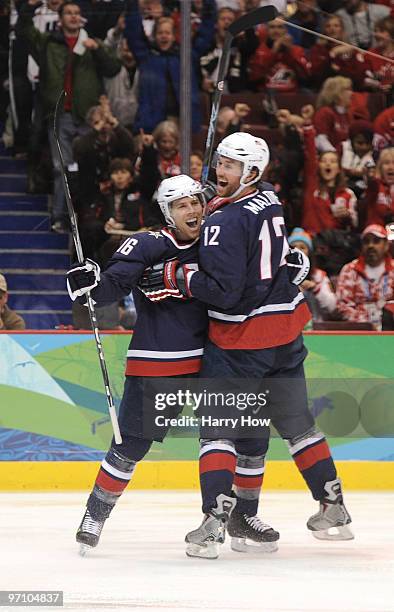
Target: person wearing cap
(9,319)
(367,283)
(317,288)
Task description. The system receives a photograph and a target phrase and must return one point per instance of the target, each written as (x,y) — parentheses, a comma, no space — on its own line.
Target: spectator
(332,117)
(243,46)
(286,163)
(196,164)
(278,65)
(384,129)
(46,19)
(126,206)
(317,287)
(330,59)
(16,134)
(378,203)
(122,89)
(151,11)
(80,78)
(93,152)
(308,16)
(161,150)
(230,120)
(159,65)
(9,319)
(357,154)
(210,62)
(380,73)
(367,283)
(389,3)
(333,248)
(328,203)
(359,18)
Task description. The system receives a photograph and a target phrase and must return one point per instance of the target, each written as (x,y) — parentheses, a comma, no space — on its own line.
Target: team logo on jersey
(155,234)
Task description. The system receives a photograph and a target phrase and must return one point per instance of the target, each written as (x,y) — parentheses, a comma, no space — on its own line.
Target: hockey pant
(118,465)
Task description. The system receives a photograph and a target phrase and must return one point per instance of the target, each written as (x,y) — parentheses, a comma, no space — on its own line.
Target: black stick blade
(250,20)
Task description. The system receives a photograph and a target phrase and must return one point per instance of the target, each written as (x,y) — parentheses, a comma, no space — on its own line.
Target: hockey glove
(298,266)
(166,279)
(209,191)
(82,278)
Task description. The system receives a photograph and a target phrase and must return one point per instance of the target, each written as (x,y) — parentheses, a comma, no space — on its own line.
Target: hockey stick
(81,259)
(338,42)
(250,20)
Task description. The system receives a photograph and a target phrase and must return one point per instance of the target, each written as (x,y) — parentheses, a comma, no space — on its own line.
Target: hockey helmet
(252,151)
(175,188)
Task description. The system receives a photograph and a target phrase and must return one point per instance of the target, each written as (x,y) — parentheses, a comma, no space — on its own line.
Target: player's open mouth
(192,223)
(222,184)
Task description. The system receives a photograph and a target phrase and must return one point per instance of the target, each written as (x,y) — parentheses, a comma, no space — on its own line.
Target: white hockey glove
(82,278)
(298,265)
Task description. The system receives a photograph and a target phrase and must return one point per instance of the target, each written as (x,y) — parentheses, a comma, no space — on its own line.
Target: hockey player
(256,316)
(168,339)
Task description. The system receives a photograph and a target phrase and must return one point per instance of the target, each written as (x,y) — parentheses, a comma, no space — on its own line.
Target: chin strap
(242,186)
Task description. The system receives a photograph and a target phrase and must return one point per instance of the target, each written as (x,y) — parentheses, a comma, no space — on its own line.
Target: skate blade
(342,532)
(248,546)
(210,551)
(84,549)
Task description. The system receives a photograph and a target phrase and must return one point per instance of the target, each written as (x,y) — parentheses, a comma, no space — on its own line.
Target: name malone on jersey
(261,201)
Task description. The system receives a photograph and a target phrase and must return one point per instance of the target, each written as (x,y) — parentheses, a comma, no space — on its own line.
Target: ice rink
(140,563)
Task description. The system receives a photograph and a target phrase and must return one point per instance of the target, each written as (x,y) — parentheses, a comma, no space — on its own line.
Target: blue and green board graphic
(52,405)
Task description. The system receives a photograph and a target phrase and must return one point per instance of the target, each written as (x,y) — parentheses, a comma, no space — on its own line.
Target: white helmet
(252,151)
(175,188)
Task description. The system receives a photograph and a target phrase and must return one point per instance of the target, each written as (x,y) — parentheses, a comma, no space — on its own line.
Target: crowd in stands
(324,106)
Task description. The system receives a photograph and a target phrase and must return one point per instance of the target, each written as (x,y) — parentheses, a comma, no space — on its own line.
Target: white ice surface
(140,563)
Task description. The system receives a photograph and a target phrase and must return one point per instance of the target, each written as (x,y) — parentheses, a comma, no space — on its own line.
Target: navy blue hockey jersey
(242,275)
(169,335)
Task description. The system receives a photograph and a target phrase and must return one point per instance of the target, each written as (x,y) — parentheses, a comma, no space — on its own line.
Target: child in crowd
(357,154)
(196,163)
(126,206)
(317,288)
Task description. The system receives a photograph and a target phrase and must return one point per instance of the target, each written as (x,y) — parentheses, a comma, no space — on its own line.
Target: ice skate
(205,541)
(88,533)
(332,520)
(250,534)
